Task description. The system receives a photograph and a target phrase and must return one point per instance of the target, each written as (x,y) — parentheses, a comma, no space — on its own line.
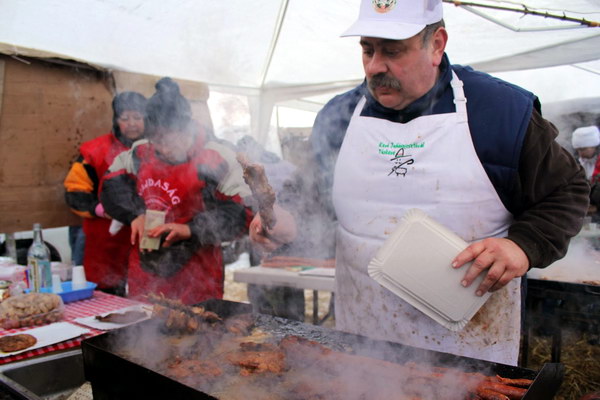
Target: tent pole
(274,40)
(261,110)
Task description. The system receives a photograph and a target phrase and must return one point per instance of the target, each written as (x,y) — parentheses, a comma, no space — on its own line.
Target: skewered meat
(179,317)
(313,355)
(509,392)
(487,394)
(263,193)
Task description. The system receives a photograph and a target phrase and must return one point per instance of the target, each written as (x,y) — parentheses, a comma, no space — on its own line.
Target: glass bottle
(11,246)
(39,274)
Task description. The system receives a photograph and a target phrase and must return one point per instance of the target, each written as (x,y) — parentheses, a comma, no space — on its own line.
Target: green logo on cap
(383,6)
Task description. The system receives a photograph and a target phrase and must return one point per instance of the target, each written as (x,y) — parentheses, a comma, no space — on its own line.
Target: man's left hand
(502,258)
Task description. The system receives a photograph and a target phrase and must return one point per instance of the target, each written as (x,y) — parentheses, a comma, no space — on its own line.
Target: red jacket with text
(189,270)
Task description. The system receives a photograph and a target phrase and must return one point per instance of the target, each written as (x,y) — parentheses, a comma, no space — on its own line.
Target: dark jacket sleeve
(224,217)
(595,194)
(119,190)
(119,198)
(551,198)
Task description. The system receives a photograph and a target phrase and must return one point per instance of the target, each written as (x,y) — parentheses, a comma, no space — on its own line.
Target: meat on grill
(180,317)
(415,377)
(304,369)
(257,358)
(185,368)
(224,360)
(122,318)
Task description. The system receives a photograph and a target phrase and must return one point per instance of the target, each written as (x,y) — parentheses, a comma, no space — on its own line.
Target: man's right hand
(283,232)
(137,229)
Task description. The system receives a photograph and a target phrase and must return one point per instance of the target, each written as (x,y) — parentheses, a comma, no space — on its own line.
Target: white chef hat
(395,19)
(586,136)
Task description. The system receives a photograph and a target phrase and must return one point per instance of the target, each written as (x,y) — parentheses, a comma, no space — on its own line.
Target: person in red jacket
(105,256)
(176,174)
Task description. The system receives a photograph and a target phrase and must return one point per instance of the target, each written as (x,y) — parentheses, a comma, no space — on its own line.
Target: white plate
(415,264)
(49,334)
(92,322)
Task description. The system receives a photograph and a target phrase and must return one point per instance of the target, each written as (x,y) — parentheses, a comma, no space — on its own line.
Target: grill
(114,376)
(551,305)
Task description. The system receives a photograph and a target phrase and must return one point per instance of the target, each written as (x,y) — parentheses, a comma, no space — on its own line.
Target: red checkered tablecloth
(99,303)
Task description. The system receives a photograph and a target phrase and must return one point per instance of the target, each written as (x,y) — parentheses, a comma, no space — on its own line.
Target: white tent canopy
(278,50)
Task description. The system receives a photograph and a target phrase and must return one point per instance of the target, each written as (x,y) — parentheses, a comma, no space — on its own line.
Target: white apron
(386,168)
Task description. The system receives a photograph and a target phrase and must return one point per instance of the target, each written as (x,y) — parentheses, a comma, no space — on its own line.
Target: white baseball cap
(586,136)
(395,19)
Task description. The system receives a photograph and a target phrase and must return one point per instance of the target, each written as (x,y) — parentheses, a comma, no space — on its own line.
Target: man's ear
(438,45)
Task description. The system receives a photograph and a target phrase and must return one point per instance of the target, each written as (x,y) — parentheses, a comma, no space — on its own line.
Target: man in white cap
(470,150)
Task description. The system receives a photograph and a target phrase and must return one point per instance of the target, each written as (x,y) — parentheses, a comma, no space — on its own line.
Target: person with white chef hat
(470,150)
(586,142)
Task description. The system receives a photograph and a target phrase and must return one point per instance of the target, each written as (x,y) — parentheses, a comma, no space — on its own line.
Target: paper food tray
(92,322)
(49,334)
(415,264)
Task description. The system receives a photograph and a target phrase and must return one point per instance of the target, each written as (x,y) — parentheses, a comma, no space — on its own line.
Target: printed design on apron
(173,189)
(159,194)
(400,159)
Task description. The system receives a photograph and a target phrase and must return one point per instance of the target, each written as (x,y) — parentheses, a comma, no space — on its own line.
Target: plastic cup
(56,283)
(78,280)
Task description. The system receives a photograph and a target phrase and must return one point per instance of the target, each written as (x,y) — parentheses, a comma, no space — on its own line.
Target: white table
(307,279)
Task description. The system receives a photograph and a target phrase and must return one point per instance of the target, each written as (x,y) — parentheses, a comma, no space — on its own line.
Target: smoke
(345,367)
(581,264)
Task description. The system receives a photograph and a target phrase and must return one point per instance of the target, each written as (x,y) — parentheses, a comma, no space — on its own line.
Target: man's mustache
(385,81)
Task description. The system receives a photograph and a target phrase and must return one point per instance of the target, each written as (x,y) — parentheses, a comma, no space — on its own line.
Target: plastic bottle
(39,273)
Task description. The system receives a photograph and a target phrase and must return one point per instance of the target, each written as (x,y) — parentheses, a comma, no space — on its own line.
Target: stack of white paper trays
(415,264)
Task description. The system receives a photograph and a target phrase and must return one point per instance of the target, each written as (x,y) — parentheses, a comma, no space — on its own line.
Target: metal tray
(50,377)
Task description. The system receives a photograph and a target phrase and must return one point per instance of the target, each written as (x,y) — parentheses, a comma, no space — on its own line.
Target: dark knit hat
(167,108)
(126,101)
(129,101)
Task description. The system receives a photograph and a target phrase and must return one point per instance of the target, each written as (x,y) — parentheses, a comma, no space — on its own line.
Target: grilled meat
(258,358)
(122,318)
(263,193)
